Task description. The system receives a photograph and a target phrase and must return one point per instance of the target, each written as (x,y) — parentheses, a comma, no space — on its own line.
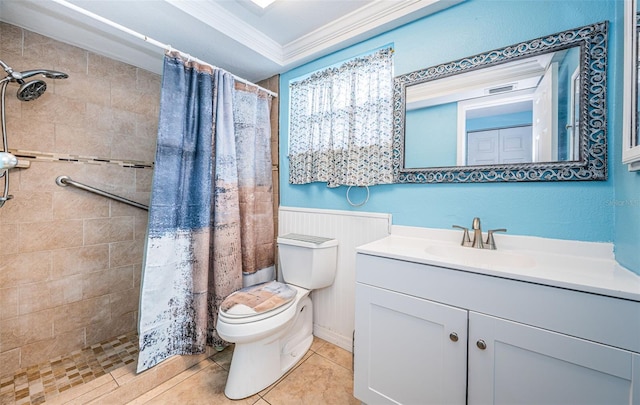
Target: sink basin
(481,257)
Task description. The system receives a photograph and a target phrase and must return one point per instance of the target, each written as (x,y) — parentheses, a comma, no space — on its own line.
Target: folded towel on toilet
(258,298)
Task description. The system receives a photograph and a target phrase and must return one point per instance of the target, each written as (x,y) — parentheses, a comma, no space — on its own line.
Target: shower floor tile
(41,383)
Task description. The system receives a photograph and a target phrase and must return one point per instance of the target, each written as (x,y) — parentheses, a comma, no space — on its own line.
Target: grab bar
(64,181)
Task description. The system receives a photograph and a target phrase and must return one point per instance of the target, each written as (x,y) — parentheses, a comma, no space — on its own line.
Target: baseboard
(345,342)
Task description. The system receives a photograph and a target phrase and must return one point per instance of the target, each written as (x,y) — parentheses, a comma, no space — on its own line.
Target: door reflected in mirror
(524,111)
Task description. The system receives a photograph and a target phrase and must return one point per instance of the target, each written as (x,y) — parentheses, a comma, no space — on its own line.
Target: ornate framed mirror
(630,133)
(532,111)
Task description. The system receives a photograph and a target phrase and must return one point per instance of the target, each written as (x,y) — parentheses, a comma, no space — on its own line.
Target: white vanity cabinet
(432,335)
(408,350)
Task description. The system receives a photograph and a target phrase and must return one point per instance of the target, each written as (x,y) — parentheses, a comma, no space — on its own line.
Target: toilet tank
(308,261)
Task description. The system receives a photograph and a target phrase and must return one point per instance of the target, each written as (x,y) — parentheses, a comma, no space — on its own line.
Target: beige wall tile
(101,118)
(9,361)
(25,268)
(24,329)
(125,253)
(80,314)
(8,302)
(79,260)
(123,98)
(148,82)
(107,281)
(144,178)
(124,301)
(49,235)
(118,73)
(111,178)
(27,206)
(108,230)
(116,326)
(147,129)
(41,176)
(84,89)
(140,229)
(56,109)
(49,294)
(11,41)
(78,204)
(54,54)
(30,135)
(81,141)
(33,353)
(9,245)
(65,290)
(131,145)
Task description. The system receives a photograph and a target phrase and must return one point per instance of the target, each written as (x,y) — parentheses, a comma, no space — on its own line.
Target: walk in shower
(70,272)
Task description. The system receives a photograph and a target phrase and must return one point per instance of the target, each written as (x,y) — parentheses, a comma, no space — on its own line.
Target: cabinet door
(512,363)
(408,350)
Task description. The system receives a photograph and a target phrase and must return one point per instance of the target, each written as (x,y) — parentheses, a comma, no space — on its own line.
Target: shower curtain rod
(64,181)
(152,41)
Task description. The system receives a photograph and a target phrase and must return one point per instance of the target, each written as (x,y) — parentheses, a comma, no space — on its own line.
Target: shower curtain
(211,212)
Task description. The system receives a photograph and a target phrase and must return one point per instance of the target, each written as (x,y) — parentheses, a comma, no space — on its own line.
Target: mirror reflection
(524,111)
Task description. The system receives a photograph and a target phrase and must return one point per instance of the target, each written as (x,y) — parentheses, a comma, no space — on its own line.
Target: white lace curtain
(340,129)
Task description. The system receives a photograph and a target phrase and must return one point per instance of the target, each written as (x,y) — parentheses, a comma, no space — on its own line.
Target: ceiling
(236,35)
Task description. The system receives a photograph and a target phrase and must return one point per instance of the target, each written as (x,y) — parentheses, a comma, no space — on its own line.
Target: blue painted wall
(566,210)
(431,136)
(626,204)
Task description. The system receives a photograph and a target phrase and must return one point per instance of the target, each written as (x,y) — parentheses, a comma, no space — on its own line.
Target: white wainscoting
(333,307)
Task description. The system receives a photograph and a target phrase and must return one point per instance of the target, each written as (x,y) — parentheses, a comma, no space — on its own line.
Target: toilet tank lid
(310,241)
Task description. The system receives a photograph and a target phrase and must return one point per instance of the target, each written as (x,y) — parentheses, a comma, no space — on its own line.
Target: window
(340,129)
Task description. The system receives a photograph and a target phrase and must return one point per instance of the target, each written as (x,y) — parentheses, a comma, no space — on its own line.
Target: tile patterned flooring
(96,375)
(39,384)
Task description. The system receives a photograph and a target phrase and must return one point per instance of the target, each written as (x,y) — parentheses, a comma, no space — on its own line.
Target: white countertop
(582,266)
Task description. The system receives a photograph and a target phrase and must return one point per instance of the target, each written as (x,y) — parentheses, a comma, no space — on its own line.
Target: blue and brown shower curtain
(211,211)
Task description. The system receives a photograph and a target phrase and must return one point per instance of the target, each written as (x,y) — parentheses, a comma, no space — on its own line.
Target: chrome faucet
(477,236)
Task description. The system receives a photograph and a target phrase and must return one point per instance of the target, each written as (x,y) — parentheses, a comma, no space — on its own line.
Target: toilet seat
(242,305)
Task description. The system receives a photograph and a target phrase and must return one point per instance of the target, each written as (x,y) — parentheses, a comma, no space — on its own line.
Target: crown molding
(217,17)
(375,18)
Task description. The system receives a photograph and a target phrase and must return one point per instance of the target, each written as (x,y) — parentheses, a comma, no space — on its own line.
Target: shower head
(19,77)
(31,90)
(50,74)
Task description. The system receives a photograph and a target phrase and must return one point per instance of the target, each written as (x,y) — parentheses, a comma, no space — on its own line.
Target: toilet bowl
(271,324)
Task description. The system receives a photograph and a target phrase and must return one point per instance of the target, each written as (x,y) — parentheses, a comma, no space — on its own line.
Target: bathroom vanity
(437,323)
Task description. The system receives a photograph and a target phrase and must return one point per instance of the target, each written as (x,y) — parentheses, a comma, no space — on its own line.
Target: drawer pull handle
(481,344)
(453,336)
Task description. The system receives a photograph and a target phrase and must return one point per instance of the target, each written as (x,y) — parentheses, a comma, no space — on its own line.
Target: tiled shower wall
(273,84)
(70,261)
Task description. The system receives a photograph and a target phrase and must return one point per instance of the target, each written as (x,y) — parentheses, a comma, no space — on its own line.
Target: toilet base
(257,365)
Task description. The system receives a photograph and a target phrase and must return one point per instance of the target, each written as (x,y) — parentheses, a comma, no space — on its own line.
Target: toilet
(271,323)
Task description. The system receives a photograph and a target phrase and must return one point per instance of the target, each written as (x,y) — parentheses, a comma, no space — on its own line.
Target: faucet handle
(466,240)
(491,243)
